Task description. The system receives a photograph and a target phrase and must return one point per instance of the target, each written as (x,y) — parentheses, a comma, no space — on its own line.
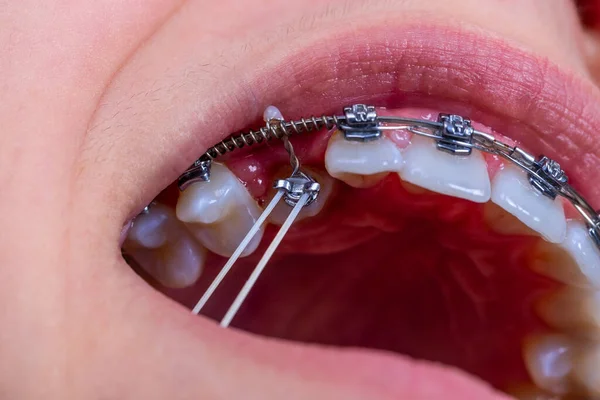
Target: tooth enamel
(148,229)
(164,248)
(572,309)
(512,191)
(580,246)
(282,210)
(361,164)
(210,202)
(224,237)
(219,213)
(465,177)
(272,113)
(549,360)
(586,371)
(576,261)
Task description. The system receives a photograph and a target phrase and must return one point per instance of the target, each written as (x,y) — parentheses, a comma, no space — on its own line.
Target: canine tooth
(512,191)
(572,309)
(580,246)
(282,210)
(361,164)
(549,359)
(219,213)
(164,248)
(576,261)
(465,177)
(210,202)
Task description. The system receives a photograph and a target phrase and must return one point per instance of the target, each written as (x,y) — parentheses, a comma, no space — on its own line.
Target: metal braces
(452,133)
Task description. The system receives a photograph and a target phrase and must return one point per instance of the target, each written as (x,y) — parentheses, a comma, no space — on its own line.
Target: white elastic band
(263,261)
(238,252)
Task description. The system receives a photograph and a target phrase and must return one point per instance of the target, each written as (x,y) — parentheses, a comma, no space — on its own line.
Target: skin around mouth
(388,266)
(105,103)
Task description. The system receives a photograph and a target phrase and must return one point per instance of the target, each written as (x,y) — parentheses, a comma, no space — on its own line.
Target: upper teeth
(459,176)
(164,248)
(353,161)
(513,192)
(219,212)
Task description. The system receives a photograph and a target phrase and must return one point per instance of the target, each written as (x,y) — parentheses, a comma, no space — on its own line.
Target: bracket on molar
(553,177)
(297,185)
(361,123)
(198,172)
(455,129)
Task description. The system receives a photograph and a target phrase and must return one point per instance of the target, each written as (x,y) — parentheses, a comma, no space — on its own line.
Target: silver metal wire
(481,141)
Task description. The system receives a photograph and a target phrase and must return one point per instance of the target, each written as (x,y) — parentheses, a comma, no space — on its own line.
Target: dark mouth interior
(395,268)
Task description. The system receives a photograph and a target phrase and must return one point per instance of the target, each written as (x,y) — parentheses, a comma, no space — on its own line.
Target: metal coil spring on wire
(271,131)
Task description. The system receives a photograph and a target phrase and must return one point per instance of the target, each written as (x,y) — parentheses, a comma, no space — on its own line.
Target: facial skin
(104,103)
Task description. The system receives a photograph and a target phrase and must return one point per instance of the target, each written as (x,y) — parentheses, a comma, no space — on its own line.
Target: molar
(576,261)
(465,177)
(361,164)
(512,191)
(219,213)
(164,248)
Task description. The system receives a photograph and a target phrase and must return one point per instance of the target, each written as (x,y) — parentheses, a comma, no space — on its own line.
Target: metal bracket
(361,123)
(297,185)
(198,172)
(455,131)
(553,177)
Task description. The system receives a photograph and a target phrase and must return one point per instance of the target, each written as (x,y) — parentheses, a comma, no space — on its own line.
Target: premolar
(210,202)
(282,210)
(458,176)
(512,191)
(219,213)
(164,248)
(361,164)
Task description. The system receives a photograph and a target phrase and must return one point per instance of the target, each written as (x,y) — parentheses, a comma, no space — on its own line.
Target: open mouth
(456,259)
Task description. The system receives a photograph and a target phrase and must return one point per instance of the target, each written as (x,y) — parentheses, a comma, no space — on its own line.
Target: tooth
(164,248)
(512,191)
(282,210)
(219,213)
(586,254)
(148,229)
(361,164)
(549,360)
(224,237)
(572,309)
(209,202)
(576,261)
(586,371)
(465,177)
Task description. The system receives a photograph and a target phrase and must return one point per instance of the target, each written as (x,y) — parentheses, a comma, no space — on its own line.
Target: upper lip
(523,96)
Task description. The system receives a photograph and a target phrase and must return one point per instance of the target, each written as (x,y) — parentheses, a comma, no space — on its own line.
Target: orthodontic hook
(298,191)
